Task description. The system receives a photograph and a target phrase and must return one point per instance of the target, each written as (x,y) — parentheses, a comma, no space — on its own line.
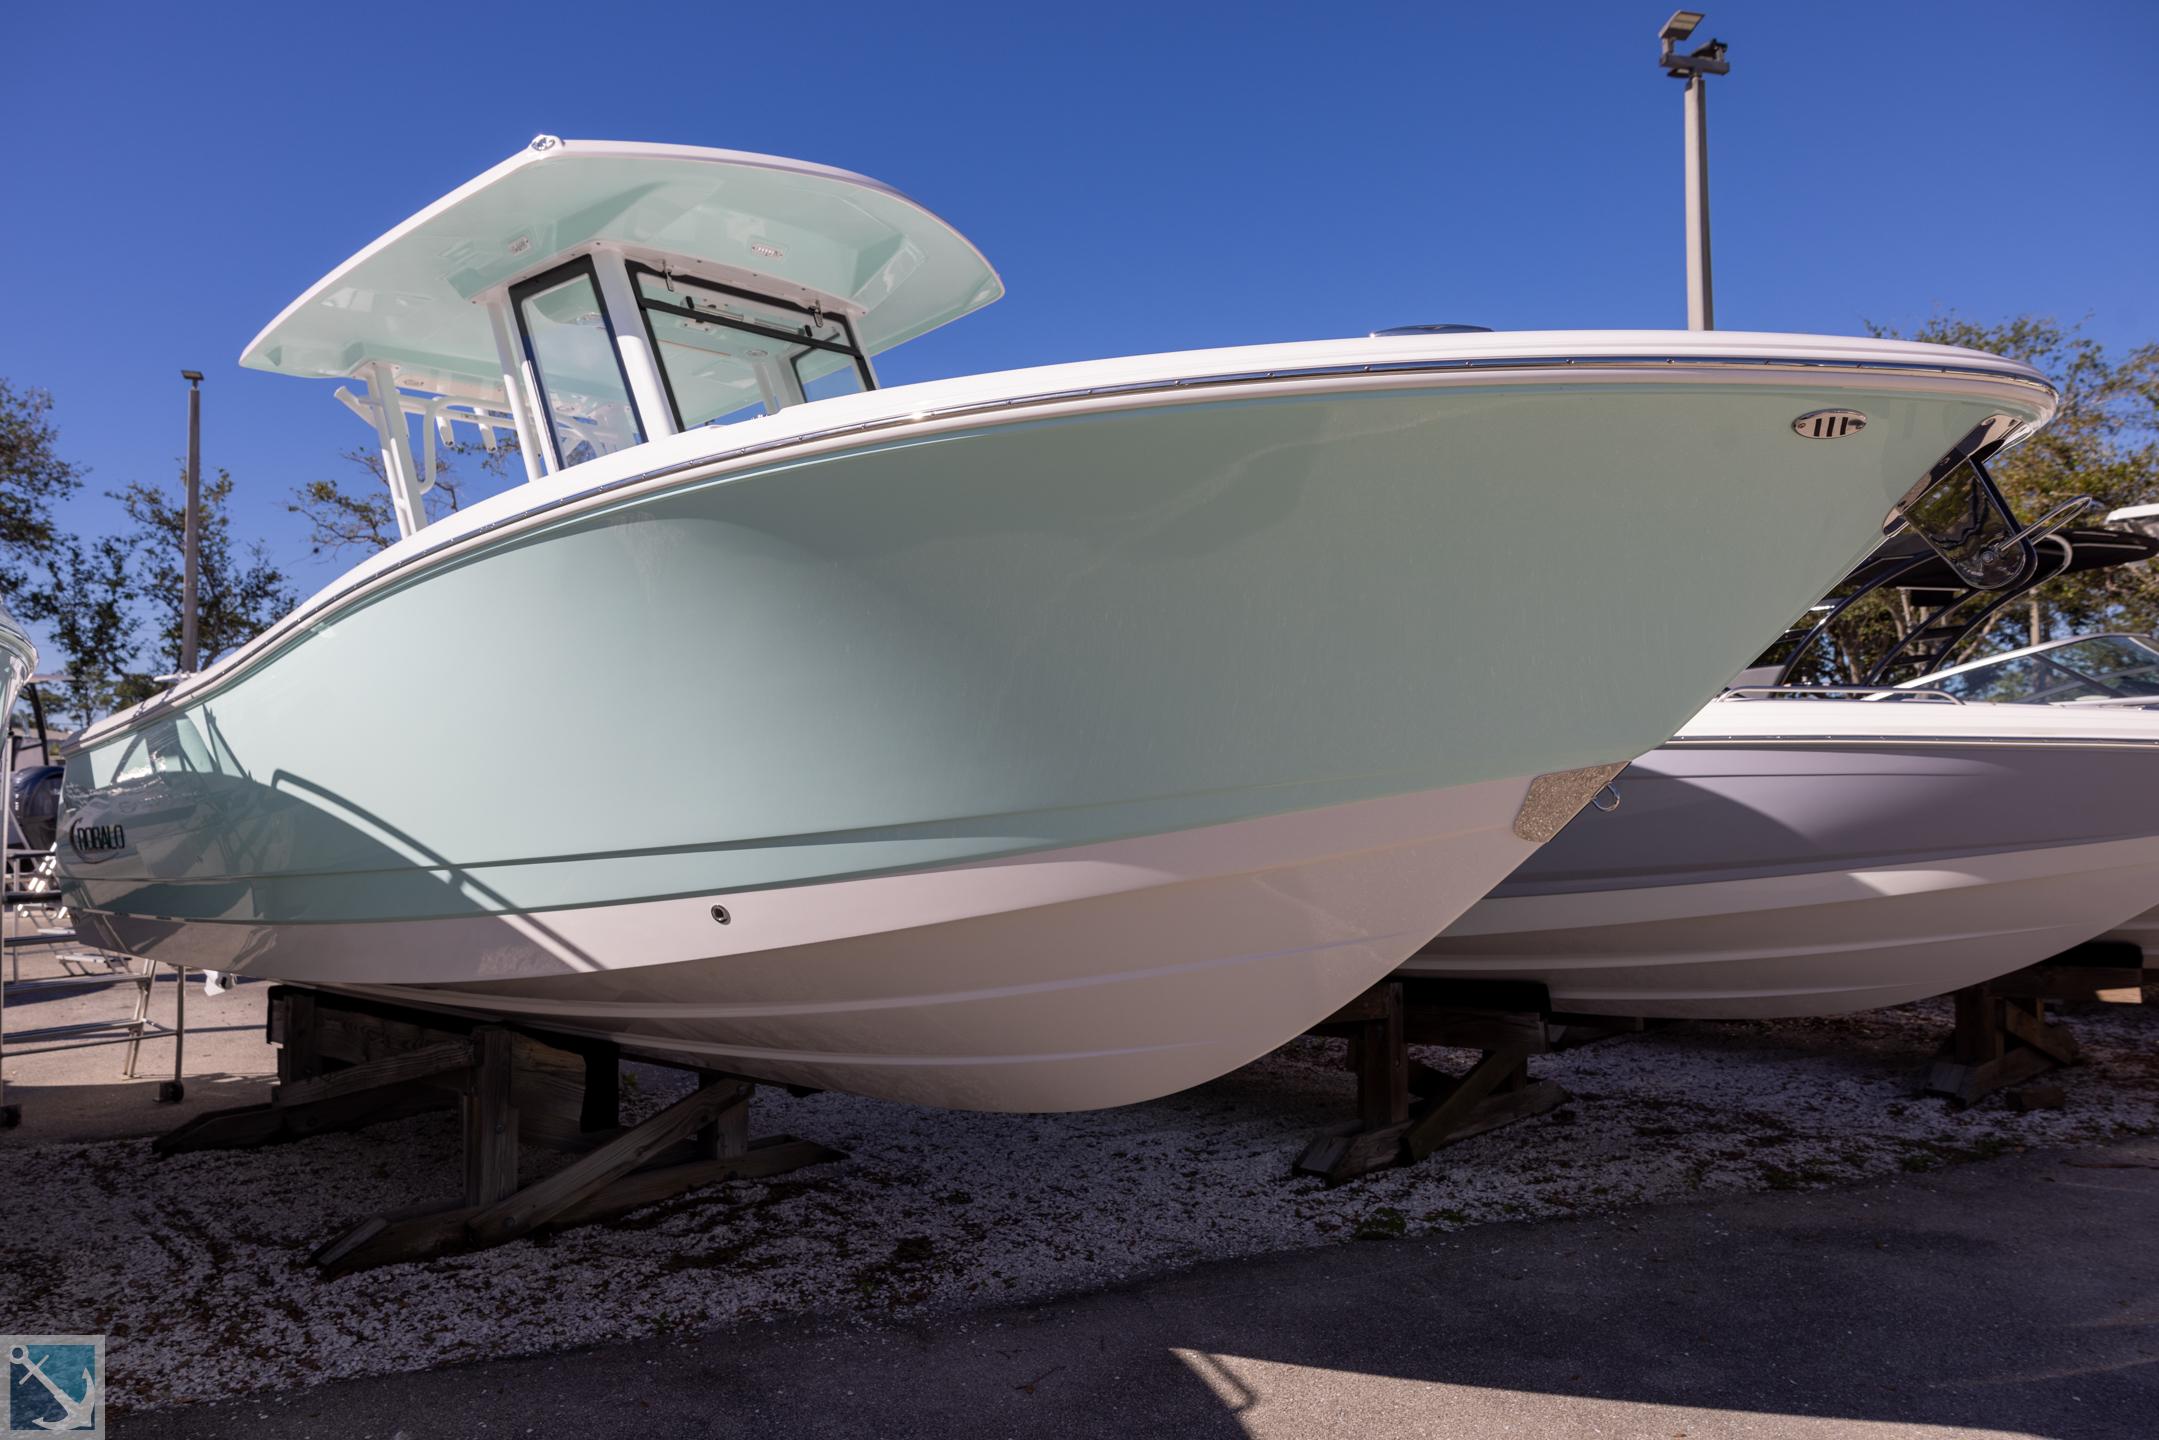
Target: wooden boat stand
(345,1062)
(2002,1037)
(1506,1021)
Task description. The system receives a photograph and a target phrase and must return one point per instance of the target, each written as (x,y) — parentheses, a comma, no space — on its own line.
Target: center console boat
(1044,739)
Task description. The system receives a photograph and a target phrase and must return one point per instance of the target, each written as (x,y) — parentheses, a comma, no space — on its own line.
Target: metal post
(1701,313)
(531,445)
(396,440)
(1695,67)
(191,536)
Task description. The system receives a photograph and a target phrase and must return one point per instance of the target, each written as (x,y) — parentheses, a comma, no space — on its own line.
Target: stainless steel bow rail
(345,1061)
(89,969)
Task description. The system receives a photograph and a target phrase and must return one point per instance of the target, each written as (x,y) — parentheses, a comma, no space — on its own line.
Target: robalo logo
(86,838)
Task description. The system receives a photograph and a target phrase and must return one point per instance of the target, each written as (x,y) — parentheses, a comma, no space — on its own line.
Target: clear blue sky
(1146,177)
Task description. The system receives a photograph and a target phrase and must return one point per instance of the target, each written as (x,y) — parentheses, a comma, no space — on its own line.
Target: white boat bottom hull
(1069,979)
(1800,944)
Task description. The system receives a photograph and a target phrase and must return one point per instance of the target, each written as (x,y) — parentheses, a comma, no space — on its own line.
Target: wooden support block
(542,1201)
(1521,1102)
(1351,1151)
(1965,1084)
(356,1036)
(727,1133)
(294,1013)
(2029,1026)
(416,1235)
(1382,1061)
(1438,1126)
(273,1124)
(490,1121)
(346,1062)
(373,1074)
(547,1087)
(1976,1037)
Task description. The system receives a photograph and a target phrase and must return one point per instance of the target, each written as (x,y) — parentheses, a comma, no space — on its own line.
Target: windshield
(566,335)
(2122,663)
(2102,667)
(727,355)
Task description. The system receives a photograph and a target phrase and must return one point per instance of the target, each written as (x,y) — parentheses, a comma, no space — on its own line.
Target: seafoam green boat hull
(1006,638)
(1048,754)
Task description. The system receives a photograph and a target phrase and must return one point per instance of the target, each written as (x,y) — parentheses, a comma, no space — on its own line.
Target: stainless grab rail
(1824,692)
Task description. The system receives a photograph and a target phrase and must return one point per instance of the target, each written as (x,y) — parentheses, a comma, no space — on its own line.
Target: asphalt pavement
(2018,1296)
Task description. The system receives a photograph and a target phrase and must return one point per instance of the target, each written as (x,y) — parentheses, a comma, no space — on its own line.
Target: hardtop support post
(531,445)
(396,440)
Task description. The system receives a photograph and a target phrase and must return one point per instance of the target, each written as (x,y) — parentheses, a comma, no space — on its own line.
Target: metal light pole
(1695,68)
(191,538)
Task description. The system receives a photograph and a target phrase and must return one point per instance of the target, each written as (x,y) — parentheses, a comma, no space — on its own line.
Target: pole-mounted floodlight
(191,536)
(1695,67)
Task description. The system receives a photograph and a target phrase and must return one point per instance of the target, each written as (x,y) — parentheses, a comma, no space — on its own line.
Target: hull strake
(1074,979)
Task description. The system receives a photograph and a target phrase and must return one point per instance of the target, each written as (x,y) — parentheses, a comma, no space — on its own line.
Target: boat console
(588,296)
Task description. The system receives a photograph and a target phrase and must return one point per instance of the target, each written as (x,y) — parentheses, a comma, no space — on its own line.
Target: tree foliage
(348,513)
(33,477)
(2103,443)
(87,605)
(238,594)
(94,598)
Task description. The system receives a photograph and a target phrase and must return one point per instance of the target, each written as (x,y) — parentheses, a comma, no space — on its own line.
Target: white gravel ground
(195,1266)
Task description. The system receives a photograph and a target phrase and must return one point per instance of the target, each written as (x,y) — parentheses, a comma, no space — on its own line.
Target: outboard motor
(34,807)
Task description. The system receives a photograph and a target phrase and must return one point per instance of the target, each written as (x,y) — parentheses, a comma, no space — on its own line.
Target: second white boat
(1815,856)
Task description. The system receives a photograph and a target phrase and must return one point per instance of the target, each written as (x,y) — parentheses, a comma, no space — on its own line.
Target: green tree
(2103,443)
(238,594)
(33,477)
(342,518)
(88,608)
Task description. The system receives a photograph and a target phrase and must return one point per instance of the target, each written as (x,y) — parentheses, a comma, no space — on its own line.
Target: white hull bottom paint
(1068,979)
(1800,944)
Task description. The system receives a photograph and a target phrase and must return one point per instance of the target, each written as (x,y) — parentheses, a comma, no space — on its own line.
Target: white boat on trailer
(1045,739)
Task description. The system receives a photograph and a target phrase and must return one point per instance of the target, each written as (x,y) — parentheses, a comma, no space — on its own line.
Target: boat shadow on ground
(942,1222)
